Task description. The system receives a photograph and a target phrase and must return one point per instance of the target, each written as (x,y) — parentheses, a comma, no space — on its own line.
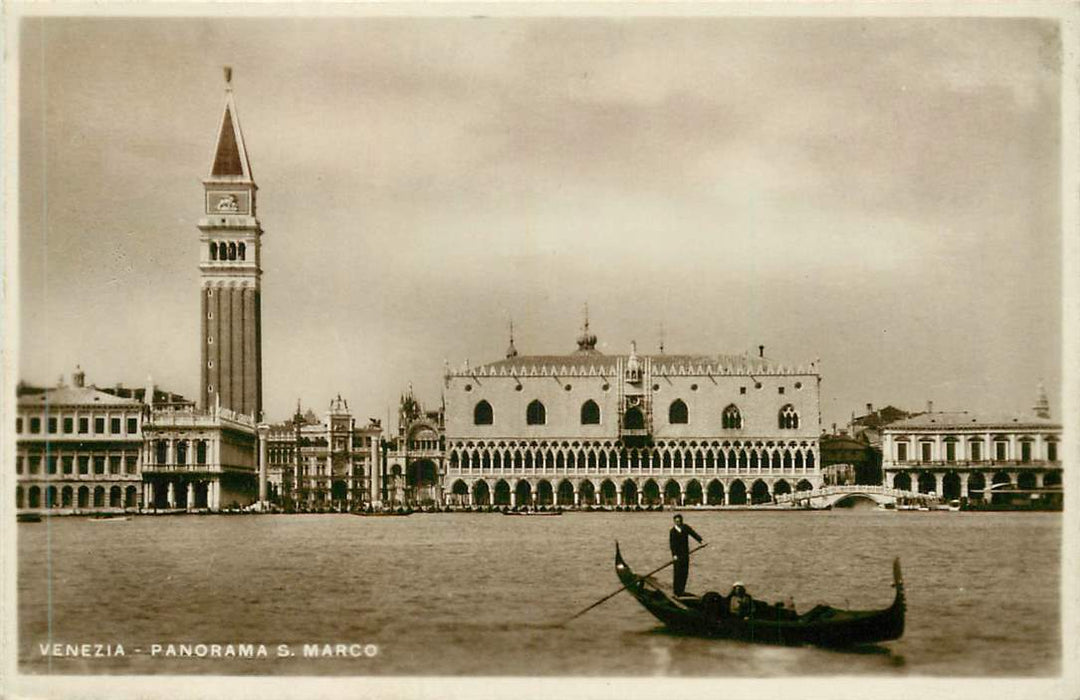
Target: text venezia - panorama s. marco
(354,650)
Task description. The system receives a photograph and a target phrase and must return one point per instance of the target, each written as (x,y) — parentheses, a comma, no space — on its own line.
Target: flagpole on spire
(511,351)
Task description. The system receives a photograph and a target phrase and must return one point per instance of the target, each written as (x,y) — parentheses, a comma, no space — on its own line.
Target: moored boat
(28,517)
(532,512)
(709,616)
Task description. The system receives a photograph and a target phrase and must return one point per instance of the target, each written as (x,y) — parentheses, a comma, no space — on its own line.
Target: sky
(882,194)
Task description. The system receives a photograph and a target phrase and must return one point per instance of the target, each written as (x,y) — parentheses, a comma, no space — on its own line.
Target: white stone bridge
(832,495)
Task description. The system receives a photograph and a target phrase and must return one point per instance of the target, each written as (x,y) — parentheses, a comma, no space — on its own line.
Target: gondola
(708,616)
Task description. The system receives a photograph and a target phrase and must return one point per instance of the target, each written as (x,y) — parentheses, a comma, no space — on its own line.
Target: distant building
(849,460)
(588,428)
(78,449)
(972,455)
(868,426)
(330,464)
(853,455)
(415,464)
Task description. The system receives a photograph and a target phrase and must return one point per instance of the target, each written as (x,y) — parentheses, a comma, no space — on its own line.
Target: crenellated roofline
(608,366)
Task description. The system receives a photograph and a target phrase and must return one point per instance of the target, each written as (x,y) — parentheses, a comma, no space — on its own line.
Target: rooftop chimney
(761,351)
(929,406)
(79,377)
(869,408)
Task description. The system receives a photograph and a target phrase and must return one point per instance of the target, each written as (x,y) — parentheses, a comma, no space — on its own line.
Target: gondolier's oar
(623,588)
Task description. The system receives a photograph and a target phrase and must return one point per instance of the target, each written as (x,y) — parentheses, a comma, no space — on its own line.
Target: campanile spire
(231,273)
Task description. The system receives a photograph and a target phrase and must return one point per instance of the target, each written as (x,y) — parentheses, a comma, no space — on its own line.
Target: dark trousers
(682,571)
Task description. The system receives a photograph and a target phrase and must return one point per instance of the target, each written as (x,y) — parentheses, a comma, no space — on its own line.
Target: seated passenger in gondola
(739,601)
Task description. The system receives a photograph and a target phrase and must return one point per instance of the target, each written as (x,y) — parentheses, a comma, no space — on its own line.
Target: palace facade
(978,456)
(587,428)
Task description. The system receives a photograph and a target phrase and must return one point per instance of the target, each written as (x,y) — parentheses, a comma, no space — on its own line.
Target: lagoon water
(483,594)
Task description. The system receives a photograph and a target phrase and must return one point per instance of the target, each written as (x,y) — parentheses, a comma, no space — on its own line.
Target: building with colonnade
(587,428)
(974,455)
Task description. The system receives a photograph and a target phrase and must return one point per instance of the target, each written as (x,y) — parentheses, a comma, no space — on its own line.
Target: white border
(12,684)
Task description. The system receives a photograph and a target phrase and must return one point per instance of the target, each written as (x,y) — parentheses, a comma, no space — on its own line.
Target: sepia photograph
(540,349)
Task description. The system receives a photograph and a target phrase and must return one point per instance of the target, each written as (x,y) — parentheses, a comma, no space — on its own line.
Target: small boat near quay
(109,518)
(709,616)
(532,512)
(384,513)
(28,517)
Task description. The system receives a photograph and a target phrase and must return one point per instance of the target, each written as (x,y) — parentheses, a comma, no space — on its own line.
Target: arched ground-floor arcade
(992,485)
(199,491)
(79,496)
(621,491)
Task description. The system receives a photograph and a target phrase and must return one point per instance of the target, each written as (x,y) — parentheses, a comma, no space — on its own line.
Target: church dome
(586,341)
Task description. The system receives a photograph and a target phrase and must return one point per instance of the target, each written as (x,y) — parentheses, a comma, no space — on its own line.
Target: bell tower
(231,276)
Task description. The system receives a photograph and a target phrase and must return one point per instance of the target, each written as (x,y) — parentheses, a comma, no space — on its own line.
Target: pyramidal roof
(230,160)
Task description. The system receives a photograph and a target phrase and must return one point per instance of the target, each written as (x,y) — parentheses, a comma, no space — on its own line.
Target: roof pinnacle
(586,342)
(1042,403)
(511,351)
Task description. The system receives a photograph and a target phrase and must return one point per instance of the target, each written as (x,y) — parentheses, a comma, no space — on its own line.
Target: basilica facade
(587,428)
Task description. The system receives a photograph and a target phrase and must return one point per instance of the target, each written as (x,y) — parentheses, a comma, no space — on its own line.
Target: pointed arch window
(223,251)
(482,414)
(241,250)
(590,413)
(536,414)
(731,419)
(788,418)
(678,413)
(634,419)
(213,251)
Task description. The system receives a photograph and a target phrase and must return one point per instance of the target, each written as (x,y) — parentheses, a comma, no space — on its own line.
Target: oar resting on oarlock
(622,588)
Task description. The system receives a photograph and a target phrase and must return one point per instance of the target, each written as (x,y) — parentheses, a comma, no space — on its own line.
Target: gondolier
(679,537)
